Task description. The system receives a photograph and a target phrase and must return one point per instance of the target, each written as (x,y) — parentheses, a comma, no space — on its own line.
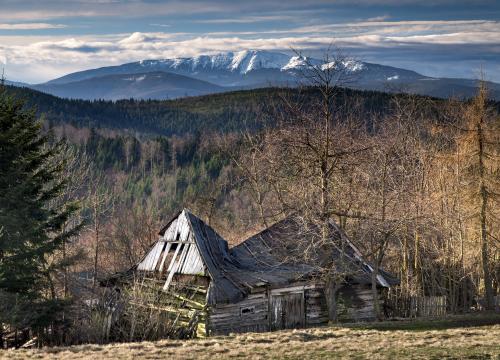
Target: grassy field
(456,337)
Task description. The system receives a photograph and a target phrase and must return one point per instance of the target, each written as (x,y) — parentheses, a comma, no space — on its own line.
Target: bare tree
(76,172)
(304,165)
(480,142)
(100,203)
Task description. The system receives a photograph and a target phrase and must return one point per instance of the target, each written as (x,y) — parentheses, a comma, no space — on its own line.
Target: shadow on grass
(450,322)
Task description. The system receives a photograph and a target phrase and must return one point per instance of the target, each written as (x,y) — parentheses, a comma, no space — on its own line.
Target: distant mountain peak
(234,70)
(244,61)
(241,61)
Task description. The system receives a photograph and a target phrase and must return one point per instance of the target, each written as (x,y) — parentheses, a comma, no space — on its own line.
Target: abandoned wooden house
(252,286)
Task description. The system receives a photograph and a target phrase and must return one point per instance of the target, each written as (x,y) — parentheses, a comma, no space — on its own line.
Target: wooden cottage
(256,285)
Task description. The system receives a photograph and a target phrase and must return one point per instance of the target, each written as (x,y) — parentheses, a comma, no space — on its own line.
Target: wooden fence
(416,306)
(426,306)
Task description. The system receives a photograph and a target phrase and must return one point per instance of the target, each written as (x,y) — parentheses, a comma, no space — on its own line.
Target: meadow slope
(457,338)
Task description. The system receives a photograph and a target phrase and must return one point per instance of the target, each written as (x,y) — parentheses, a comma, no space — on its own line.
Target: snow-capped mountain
(224,69)
(243,70)
(240,62)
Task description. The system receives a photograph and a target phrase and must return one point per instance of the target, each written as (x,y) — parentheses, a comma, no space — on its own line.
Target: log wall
(264,311)
(355,303)
(249,315)
(316,309)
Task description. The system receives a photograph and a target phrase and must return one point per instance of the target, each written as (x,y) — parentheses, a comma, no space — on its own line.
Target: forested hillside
(222,113)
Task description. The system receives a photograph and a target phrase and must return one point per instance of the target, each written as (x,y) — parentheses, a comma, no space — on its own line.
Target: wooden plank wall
(287,310)
(355,303)
(230,318)
(316,310)
(176,252)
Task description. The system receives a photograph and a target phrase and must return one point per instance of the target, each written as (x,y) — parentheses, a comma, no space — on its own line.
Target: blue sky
(44,39)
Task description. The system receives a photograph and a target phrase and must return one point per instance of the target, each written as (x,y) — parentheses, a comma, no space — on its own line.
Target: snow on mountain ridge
(349,65)
(244,62)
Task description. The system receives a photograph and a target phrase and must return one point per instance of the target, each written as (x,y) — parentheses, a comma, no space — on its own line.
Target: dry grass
(402,340)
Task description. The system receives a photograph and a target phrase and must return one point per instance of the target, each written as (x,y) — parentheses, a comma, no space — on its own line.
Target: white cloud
(60,55)
(54,9)
(247,19)
(379,18)
(30,26)
(417,25)
(455,38)
(160,25)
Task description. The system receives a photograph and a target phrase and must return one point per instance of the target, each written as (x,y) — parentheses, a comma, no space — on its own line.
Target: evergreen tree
(31,218)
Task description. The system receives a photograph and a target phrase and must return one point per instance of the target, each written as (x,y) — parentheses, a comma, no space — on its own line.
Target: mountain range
(249,69)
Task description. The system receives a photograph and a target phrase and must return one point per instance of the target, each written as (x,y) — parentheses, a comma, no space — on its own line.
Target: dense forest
(413,180)
(221,113)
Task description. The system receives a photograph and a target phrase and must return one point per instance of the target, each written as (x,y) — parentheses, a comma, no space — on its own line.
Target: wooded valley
(414,181)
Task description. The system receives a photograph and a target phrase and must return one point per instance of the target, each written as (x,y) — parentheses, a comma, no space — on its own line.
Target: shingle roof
(269,258)
(293,242)
(233,276)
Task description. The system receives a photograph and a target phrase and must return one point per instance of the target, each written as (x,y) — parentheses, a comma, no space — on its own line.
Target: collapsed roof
(269,258)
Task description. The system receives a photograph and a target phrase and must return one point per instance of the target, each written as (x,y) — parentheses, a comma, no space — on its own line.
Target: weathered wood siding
(249,315)
(355,303)
(287,310)
(316,310)
(296,306)
(176,252)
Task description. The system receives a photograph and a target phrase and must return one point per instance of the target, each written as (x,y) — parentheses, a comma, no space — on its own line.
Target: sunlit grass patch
(422,339)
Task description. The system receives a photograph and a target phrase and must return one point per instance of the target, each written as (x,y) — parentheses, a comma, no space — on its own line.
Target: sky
(44,39)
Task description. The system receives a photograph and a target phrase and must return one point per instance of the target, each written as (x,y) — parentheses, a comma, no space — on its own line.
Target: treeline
(193,159)
(223,113)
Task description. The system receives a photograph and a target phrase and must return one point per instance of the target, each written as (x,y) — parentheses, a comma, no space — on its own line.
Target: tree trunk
(482,218)
(376,304)
(96,254)
(331,294)
(65,267)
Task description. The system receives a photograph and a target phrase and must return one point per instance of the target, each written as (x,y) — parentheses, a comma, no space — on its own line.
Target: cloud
(379,18)
(45,14)
(56,9)
(225,10)
(247,19)
(455,38)
(407,25)
(475,38)
(31,26)
(160,25)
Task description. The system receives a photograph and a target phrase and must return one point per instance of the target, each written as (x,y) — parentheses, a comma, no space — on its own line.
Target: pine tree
(31,218)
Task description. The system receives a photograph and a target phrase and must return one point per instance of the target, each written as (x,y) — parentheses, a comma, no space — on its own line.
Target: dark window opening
(178,237)
(247,310)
